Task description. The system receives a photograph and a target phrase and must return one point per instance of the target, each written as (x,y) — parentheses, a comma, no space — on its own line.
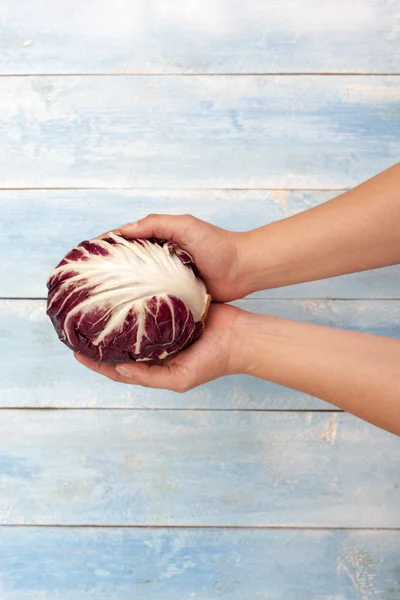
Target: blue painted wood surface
(212,36)
(200,132)
(197,459)
(36,370)
(197,468)
(149,564)
(51,222)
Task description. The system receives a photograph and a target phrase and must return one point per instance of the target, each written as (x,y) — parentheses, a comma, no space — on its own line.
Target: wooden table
(241,113)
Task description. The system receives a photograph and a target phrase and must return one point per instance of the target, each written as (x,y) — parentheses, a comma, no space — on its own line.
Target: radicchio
(118,300)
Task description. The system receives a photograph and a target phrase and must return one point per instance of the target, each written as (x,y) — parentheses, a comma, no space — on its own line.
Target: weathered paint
(212,36)
(193,467)
(200,132)
(202,468)
(149,564)
(37,370)
(51,222)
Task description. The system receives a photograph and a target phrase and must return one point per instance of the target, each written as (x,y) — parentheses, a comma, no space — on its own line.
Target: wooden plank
(208,132)
(197,468)
(76,564)
(214,36)
(65,217)
(36,370)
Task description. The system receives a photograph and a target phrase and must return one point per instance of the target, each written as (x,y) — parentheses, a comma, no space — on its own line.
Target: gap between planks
(171,409)
(169,189)
(201,527)
(250,74)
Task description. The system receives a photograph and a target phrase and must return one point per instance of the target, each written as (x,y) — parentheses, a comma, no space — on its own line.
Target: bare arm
(358,372)
(355,371)
(356,231)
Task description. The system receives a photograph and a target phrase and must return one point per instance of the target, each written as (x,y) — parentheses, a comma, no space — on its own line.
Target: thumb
(167,377)
(178,228)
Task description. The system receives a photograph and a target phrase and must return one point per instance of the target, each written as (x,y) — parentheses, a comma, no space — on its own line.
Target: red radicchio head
(118,300)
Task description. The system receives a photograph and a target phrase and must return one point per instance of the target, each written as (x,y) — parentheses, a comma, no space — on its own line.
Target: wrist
(271,256)
(247,274)
(243,344)
(259,259)
(261,344)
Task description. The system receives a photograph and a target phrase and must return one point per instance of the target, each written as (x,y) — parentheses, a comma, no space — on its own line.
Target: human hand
(215,354)
(215,251)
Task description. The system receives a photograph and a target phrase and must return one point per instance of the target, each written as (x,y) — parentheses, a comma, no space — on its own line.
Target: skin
(358,372)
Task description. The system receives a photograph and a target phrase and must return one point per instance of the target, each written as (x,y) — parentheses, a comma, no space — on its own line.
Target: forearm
(355,371)
(356,231)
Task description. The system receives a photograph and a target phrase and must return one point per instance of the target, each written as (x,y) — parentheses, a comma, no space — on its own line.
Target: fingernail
(125,371)
(129,226)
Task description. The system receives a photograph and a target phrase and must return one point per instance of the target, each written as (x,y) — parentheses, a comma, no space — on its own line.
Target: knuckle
(188,217)
(179,389)
(150,217)
(182,386)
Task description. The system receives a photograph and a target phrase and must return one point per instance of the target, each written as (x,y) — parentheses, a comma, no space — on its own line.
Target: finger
(167,377)
(106,234)
(103,369)
(168,227)
(155,376)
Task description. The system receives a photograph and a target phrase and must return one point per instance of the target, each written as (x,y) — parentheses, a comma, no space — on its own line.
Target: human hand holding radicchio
(115,299)
(120,300)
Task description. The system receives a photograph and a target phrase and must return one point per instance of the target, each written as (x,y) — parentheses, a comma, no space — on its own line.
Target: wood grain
(212,36)
(36,370)
(185,468)
(236,453)
(148,564)
(50,222)
(197,132)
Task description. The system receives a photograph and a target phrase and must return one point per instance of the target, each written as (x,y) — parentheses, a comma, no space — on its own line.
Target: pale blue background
(241,113)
